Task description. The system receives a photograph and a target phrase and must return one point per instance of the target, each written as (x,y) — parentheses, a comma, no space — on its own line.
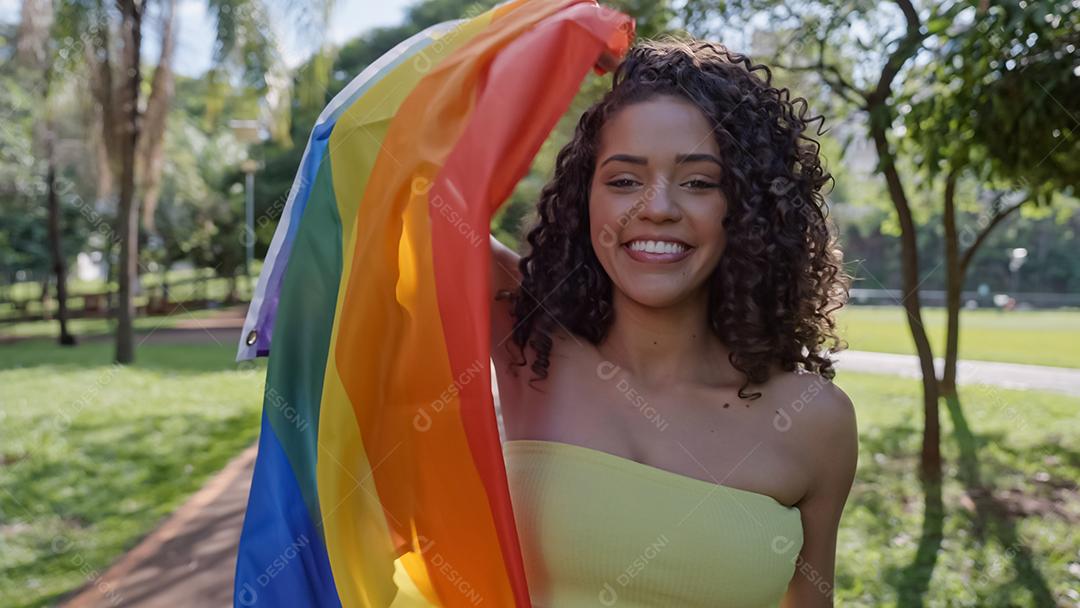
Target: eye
(700,184)
(622,182)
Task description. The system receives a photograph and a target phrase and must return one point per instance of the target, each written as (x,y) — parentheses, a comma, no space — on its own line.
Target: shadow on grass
(914,580)
(899,444)
(991,516)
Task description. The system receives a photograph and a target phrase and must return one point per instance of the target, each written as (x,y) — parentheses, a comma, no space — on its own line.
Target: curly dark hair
(780,278)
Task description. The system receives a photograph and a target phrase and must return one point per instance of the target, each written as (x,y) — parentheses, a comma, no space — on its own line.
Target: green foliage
(651,18)
(1051,234)
(201,213)
(999,94)
(24,244)
(986,85)
(17,168)
(243,40)
(989,89)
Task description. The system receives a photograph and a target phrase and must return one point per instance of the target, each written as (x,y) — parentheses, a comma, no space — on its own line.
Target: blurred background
(147,149)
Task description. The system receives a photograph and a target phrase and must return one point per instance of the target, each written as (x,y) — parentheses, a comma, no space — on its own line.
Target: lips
(656,237)
(666,257)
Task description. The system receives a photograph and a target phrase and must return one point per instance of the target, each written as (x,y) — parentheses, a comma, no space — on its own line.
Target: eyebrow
(679,159)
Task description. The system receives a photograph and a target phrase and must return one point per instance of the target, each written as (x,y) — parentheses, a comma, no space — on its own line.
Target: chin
(655,296)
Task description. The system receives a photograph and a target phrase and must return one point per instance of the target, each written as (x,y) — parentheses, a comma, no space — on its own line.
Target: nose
(657,204)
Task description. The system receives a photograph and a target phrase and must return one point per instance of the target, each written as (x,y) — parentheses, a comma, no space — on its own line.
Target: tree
(871,57)
(1011,67)
(36,56)
(132,129)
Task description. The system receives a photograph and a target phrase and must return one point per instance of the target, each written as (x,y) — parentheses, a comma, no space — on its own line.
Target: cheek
(713,220)
(721,237)
(713,235)
(604,225)
(600,205)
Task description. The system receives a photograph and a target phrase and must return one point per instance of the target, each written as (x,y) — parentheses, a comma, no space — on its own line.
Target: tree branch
(836,71)
(904,50)
(1000,216)
(838,84)
(910,15)
(151,144)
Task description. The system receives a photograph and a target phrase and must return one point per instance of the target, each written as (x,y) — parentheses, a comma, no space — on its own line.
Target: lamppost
(249,167)
(1017,257)
(248,132)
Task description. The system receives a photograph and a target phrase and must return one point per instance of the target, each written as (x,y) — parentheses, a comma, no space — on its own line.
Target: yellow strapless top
(598,529)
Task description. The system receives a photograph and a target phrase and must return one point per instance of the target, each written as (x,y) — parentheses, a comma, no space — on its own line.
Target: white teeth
(657,247)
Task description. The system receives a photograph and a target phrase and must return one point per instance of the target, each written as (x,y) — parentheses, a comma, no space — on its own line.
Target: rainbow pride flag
(379,479)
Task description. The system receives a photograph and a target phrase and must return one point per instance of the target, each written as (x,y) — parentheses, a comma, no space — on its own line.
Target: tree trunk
(128,214)
(150,161)
(954,284)
(231,297)
(45,314)
(111,261)
(930,462)
(164,286)
(59,268)
(956,268)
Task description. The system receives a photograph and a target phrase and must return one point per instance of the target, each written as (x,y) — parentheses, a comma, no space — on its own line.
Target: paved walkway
(190,559)
(1005,375)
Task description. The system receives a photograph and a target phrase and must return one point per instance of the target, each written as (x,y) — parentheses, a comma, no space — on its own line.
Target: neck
(666,346)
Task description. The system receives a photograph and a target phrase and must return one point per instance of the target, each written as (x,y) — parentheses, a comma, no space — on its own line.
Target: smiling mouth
(657,252)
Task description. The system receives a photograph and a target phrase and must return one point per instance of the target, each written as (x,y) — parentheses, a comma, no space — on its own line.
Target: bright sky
(195,38)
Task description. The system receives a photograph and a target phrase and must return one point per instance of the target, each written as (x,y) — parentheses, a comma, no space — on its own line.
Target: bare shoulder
(824,431)
(813,402)
(823,425)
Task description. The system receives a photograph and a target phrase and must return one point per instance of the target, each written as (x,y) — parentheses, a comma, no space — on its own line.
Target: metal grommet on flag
(380,479)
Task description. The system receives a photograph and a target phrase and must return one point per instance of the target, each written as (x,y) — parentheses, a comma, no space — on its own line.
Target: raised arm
(504,267)
(504,278)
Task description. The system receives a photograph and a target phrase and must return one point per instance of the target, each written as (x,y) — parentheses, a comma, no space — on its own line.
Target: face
(656,209)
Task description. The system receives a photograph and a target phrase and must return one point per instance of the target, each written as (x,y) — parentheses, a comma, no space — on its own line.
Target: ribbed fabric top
(599,529)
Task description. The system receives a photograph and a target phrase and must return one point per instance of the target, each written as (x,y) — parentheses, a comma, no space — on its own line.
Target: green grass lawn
(93,456)
(1035,337)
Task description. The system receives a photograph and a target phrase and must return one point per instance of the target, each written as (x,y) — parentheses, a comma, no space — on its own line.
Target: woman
(678,441)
